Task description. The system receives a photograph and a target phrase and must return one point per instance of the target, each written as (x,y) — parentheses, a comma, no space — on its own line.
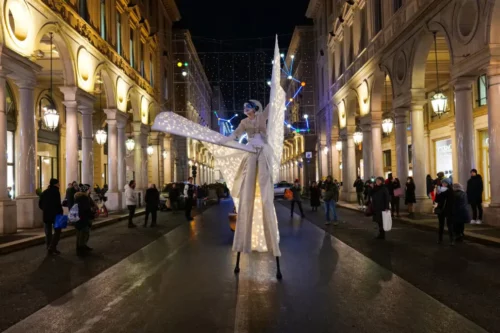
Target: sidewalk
(483,234)
(29,237)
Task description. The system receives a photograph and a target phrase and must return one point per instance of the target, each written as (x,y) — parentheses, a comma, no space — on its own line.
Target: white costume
(249,171)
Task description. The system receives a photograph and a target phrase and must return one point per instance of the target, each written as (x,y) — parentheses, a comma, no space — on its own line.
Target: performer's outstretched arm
(236,134)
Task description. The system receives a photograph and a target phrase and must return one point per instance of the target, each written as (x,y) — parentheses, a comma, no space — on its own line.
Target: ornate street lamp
(357,137)
(439,101)
(325,150)
(101,137)
(338,145)
(150,150)
(130,144)
(164,154)
(387,125)
(50,114)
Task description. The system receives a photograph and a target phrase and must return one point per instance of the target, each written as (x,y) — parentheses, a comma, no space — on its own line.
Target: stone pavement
(184,282)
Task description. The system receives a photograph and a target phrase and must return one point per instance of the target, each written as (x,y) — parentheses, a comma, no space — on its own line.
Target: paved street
(183,282)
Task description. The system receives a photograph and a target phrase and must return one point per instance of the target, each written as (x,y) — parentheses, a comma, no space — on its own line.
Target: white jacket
(130,196)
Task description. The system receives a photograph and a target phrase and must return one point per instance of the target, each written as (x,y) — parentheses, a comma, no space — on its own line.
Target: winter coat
(331,191)
(389,184)
(50,204)
(296,190)
(70,196)
(460,207)
(367,193)
(445,202)
(475,189)
(358,184)
(152,199)
(410,194)
(315,196)
(173,194)
(380,200)
(130,196)
(84,210)
(430,185)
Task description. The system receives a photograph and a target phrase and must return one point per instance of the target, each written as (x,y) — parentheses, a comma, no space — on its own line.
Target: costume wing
(275,127)
(228,155)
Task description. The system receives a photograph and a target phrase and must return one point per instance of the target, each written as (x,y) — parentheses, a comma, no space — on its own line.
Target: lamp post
(50,114)
(439,101)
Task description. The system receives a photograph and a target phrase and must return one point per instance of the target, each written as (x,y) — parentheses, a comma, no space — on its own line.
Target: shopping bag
(387,220)
(288,194)
(61,222)
(73,216)
(398,192)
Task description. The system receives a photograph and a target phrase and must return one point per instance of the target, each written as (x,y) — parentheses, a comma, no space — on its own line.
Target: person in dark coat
(152,199)
(358,184)
(70,194)
(315,196)
(444,209)
(410,198)
(85,214)
(395,199)
(460,211)
(50,204)
(430,187)
(380,202)
(297,191)
(330,190)
(475,196)
(173,196)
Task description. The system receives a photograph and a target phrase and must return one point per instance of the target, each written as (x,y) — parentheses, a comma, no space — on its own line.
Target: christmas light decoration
(179,64)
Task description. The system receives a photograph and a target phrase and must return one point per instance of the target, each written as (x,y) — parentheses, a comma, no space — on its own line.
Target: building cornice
(313,8)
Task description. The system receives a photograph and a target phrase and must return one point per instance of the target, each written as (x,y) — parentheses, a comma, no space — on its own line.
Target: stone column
(348,164)
(424,204)
(168,161)
(121,123)
(28,213)
(114,200)
(87,146)
(335,154)
(464,126)
(368,151)
(493,211)
(140,157)
(401,127)
(156,138)
(8,213)
(71,141)
(377,152)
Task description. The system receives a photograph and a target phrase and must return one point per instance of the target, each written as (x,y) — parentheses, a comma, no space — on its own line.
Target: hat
(84,188)
(447,181)
(53,182)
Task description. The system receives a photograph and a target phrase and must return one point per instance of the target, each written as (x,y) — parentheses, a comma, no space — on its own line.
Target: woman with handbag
(410,198)
(398,192)
(315,196)
(380,203)
(444,209)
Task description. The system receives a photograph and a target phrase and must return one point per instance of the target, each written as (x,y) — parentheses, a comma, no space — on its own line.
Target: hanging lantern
(325,150)
(387,125)
(357,137)
(150,150)
(101,136)
(50,117)
(130,144)
(338,145)
(439,101)
(164,154)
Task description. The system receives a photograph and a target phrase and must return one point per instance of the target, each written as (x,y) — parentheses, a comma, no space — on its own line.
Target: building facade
(300,124)
(410,87)
(100,69)
(193,100)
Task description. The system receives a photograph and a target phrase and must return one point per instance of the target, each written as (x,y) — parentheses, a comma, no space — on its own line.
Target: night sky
(235,40)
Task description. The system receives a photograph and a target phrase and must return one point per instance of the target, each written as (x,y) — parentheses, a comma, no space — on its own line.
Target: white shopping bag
(387,220)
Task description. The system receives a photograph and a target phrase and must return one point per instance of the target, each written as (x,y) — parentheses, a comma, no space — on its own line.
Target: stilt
(237,268)
(278,274)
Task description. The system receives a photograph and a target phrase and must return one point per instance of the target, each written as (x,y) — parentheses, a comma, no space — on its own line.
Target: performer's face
(249,112)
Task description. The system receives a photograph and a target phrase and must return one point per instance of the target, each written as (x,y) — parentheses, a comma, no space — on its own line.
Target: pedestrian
(367,192)
(410,198)
(200,196)
(460,211)
(380,203)
(444,209)
(85,215)
(330,197)
(50,204)
(173,196)
(297,191)
(70,194)
(189,198)
(358,184)
(437,184)
(395,193)
(9,192)
(475,196)
(131,202)
(152,199)
(430,187)
(315,193)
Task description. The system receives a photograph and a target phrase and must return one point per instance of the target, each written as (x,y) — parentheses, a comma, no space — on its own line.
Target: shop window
(131,48)
(482,91)
(397,4)
(47,167)
(377,26)
(119,34)
(444,157)
(103,19)
(387,159)
(10,164)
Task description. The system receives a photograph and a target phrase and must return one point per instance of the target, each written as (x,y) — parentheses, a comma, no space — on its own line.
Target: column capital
(463,83)
(400,115)
(26,83)
(140,128)
(70,105)
(85,110)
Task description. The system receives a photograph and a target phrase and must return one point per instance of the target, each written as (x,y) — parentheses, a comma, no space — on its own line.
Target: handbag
(398,192)
(288,195)
(387,220)
(369,210)
(61,222)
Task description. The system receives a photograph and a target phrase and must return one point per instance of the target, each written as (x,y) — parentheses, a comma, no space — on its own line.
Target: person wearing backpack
(50,204)
(85,216)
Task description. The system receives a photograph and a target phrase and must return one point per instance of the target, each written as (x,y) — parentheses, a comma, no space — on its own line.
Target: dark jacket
(84,210)
(380,198)
(389,183)
(297,191)
(173,194)
(152,199)
(70,196)
(358,184)
(429,184)
(410,194)
(444,202)
(460,207)
(475,189)
(331,191)
(200,192)
(315,196)
(50,204)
